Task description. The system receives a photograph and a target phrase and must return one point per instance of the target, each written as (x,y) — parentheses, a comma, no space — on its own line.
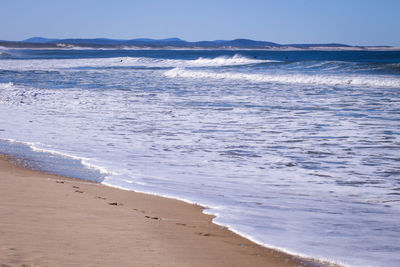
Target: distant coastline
(176,43)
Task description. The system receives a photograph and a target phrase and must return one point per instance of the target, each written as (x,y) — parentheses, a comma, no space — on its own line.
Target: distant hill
(40,42)
(147,42)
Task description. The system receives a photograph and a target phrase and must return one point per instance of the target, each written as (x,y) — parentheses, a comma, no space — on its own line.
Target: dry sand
(47,220)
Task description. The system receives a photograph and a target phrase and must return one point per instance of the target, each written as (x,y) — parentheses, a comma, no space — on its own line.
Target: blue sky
(356,22)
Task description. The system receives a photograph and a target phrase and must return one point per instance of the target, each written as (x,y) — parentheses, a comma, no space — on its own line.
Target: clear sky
(355,22)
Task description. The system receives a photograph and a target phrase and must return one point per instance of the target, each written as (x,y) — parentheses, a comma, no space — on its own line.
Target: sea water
(296,150)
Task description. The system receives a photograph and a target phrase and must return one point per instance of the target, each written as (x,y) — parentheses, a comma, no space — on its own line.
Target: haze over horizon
(353,22)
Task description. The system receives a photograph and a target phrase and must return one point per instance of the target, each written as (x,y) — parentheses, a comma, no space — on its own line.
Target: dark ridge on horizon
(153,42)
(41,42)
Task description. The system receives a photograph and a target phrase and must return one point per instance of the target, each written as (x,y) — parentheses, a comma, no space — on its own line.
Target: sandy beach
(47,220)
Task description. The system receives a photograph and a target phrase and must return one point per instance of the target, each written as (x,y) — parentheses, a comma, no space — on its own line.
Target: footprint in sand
(185,225)
(142,211)
(115,204)
(153,218)
(205,234)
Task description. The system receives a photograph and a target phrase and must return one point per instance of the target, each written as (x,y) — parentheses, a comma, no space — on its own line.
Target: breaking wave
(55,64)
(288,78)
(227,61)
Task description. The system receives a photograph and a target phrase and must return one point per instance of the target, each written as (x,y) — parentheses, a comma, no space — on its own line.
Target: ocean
(295,150)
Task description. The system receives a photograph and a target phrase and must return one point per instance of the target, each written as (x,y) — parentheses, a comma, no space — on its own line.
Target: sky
(354,22)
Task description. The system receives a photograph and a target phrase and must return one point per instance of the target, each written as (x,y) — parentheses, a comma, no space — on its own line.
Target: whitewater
(295,150)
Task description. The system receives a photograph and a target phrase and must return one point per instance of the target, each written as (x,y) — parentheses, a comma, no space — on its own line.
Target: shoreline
(69,222)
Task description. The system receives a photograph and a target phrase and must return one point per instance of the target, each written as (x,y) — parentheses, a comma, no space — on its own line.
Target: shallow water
(295,150)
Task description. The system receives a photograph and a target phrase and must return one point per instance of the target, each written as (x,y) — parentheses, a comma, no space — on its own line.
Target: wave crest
(288,78)
(227,61)
(55,64)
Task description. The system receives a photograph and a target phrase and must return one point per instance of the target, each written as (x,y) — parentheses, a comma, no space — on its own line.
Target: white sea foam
(84,161)
(6,85)
(11,93)
(227,61)
(318,260)
(6,92)
(35,147)
(287,78)
(56,64)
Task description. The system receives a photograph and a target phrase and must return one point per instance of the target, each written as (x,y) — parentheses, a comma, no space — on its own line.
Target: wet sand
(47,220)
